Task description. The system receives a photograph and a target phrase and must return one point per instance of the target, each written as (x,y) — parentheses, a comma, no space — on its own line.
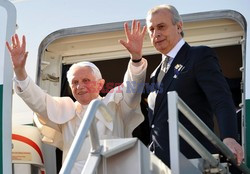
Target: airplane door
(7,29)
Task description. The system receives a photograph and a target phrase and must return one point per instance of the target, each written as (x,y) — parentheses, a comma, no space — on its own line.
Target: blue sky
(38,18)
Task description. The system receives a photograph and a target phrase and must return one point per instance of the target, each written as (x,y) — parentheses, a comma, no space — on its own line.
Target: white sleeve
(21,85)
(133,83)
(57,109)
(138,69)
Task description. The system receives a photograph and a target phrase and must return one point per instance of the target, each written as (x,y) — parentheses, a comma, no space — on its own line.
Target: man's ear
(100,84)
(179,25)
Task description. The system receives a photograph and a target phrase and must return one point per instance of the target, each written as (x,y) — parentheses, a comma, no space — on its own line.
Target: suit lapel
(181,58)
(154,74)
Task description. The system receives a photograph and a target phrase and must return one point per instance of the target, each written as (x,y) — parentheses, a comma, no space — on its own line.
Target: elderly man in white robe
(61,116)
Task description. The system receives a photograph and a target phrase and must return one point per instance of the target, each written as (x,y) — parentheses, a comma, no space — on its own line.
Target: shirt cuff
(136,70)
(22,85)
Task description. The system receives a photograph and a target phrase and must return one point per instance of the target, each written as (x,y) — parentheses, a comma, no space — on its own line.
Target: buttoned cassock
(60,117)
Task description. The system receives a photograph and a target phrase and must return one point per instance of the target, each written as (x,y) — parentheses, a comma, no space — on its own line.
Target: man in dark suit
(194,73)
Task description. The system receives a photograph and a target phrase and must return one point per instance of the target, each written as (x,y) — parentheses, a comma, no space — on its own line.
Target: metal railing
(175,128)
(175,103)
(86,125)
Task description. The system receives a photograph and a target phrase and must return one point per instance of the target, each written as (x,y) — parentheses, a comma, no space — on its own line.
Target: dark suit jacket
(204,89)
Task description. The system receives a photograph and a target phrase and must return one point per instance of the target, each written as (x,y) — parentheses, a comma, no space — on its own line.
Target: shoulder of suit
(201,50)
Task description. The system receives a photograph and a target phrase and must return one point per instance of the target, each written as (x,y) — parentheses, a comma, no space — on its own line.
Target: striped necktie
(164,68)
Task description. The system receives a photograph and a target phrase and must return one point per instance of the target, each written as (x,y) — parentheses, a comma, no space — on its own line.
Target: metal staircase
(129,155)
(111,156)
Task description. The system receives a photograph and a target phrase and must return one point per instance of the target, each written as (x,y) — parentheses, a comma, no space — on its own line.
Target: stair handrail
(174,99)
(87,124)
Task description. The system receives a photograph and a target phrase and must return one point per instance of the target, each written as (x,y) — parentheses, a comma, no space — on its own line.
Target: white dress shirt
(171,54)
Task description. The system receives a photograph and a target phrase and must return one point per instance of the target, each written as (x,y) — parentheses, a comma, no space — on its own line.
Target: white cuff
(136,70)
(22,85)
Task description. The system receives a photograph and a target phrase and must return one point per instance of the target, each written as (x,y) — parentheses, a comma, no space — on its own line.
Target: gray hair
(95,70)
(175,14)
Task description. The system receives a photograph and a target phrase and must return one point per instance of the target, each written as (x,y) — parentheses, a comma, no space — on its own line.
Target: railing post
(94,137)
(173,132)
(86,124)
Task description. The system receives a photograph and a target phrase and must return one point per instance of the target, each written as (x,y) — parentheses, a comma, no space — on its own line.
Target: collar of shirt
(172,53)
(81,109)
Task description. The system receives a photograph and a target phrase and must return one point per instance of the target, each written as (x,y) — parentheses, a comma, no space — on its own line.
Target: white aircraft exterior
(62,32)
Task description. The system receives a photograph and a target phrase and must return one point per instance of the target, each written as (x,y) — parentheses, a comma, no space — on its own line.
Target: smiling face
(163,33)
(84,85)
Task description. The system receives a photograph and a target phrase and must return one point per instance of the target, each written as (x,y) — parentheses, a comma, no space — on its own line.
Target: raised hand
(18,55)
(134,41)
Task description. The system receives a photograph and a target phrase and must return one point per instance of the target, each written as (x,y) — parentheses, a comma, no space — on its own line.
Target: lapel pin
(177,69)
